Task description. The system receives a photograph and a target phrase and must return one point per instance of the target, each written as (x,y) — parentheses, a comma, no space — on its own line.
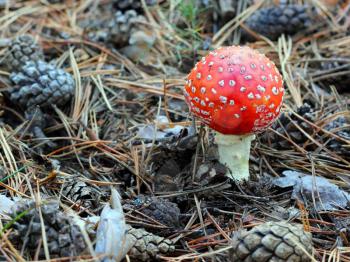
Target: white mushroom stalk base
(234,151)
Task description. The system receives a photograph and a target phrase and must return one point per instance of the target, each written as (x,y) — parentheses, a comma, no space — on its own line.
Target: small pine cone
(124,5)
(277,20)
(342,125)
(148,246)
(41,84)
(159,209)
(286,126)
(123,25)
(38,121)
(96,27)
(22,49)
(116,28)
(342,81)
(272,242)
(64,238)
(80,193)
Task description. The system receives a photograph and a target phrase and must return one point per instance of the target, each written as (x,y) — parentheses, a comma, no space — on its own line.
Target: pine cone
(80,193)
(38,122)
(159,209)
(124,5)
(147,245)
(123,26)
(342,125)
(116,29)
(64,238)
(277,20)
(273,242)
(287,127)
(342,81)
(41,84)
(23,48)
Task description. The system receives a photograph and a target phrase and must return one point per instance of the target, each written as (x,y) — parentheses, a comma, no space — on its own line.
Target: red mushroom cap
(235,90)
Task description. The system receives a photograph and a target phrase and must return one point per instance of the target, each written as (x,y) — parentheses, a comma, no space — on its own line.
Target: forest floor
(127,127)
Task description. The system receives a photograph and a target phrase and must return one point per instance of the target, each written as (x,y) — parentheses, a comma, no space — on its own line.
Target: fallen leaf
(314,191)
(111,236)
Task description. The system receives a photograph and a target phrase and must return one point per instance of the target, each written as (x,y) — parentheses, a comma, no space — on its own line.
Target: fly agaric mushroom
(237,92)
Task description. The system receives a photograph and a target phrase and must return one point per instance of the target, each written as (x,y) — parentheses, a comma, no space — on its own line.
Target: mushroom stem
(234,152)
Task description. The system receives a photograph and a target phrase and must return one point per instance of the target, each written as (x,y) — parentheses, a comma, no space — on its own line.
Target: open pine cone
(23,48)
(80,193)
(342,79)
(124,5)
(272,242)
(123,26)
(37,87)
(277,20)
(160,209)
(340,127)
(41,84)
(63,236)
(148,246)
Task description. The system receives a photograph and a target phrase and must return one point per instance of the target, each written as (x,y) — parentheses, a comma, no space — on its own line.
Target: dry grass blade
(42,223)
(78,103)
(194,257)
(8,153)
(99,85)
(11,17)
(284,53)
(221,36)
